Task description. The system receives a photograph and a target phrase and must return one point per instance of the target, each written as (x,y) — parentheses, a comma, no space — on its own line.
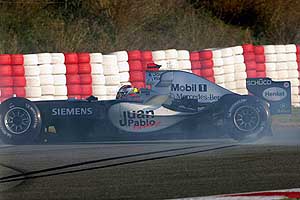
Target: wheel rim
(17,120)
(246,118)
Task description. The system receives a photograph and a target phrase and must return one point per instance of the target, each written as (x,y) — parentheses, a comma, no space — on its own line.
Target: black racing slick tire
(247,119)
(20,121)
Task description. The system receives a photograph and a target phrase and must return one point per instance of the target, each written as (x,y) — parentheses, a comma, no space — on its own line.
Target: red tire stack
(207,64)
(195,62)
(17,61)
(136,69)
(84,71)
(6,77)
(147,59)
(72,76)
(249,59)
(148,63)
(260,61)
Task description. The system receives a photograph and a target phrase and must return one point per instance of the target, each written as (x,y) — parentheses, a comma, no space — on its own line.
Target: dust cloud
(282,135)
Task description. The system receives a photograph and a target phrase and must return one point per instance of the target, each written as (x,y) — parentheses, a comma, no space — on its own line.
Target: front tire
(247,119)
(20,121)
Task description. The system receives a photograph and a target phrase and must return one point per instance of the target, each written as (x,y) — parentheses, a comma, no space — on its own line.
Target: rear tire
(20,121)
(247,119)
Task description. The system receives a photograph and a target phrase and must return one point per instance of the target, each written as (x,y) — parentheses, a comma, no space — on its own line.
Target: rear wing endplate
(277,93)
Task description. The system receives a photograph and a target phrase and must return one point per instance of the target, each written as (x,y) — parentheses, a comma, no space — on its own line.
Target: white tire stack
(271,60)
(218,67)
(59,76)
(281,65)
(99,88)
(159,58)
(286,68)
(184,63)
(111,74)
(293,74)
(46,77)
(32,76)
(171,59)
(229,56)
(297,101)
(122,59)
(240,74)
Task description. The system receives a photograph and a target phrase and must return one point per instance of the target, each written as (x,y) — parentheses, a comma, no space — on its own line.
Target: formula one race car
(178,105)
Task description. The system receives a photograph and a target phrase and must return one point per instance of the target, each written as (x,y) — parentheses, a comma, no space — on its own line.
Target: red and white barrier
(47,76)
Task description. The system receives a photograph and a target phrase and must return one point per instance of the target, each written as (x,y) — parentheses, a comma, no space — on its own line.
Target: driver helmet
(126,90)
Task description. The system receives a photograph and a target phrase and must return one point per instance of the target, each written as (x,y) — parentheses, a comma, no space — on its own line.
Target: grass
(113,25)
(288,120)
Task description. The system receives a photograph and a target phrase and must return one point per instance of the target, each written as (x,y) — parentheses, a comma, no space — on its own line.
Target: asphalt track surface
(150,169)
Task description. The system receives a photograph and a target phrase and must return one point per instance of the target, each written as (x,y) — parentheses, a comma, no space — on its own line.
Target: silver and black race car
(178,105)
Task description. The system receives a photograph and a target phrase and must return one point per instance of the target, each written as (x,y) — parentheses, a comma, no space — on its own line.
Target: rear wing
(277,93)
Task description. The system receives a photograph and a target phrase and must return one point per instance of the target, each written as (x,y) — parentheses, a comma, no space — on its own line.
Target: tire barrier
(184,63)
(85,76)
(228,57)
(122,62)
(32,75)
(12,79)
(195,63)
(97,73)
(207,64)
(138,62)
(111,75)
(59,71)
(136,68)
(260,60)
(281,64)
(6,83)
(47,76)
(72,75)
(172,59)
(295,97)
